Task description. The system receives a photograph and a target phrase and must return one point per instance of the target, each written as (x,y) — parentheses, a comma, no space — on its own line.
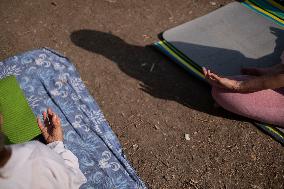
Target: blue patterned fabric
(50,80)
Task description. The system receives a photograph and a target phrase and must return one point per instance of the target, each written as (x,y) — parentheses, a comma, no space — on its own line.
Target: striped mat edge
(267,8)
(193,68)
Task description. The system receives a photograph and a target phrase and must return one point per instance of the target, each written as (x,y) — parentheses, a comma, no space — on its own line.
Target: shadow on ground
(158,78)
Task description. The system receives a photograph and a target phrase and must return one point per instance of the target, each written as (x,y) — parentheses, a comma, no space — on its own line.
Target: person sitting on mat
(35,165)
(259,94)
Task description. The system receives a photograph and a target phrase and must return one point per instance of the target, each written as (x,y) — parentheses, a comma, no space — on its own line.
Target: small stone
(187,137)
(135,146)
(144,64)
(213,3)
(167,177)
(146,36)
(86,82)
(152,67)
(156,127)
(253,157)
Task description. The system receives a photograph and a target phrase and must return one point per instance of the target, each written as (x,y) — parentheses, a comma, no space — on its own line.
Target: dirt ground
(149,102)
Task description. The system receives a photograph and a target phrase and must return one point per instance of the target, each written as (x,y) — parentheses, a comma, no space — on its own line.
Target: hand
(52,130)
(221,82)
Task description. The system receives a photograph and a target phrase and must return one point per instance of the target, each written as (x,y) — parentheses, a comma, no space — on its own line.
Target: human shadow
(159,78)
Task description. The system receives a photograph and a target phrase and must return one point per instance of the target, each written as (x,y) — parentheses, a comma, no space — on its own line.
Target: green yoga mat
(19,121)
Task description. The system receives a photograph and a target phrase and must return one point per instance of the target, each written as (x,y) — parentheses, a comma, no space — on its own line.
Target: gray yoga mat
(228,39)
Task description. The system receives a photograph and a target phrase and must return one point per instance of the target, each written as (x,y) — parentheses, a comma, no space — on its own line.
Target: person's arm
(249,85)
(69,158)
(53,134)
(261,83)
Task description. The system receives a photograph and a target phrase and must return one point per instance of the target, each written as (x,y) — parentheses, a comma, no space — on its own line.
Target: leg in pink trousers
(265,106)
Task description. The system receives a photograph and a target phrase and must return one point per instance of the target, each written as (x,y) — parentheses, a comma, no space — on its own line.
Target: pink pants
(265,106)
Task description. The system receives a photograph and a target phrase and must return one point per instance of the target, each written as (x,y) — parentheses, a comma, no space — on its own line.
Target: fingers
(53,118)
(42,129)
(49,113)
(48,116)
(44,115)
(56,120)
(214,76)
(210,75)
(207,76)
(39,123)
(206,73)
(204,70)
(45,119)
(51,129)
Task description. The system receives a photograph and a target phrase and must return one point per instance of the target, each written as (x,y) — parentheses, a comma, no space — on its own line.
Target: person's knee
(217,94)
(227,99)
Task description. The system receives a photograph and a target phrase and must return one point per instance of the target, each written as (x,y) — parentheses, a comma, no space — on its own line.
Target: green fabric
(19,121)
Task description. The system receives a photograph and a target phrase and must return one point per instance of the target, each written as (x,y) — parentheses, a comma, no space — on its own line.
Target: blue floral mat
(49,80)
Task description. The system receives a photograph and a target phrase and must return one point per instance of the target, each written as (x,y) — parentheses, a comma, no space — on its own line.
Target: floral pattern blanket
(49,80)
